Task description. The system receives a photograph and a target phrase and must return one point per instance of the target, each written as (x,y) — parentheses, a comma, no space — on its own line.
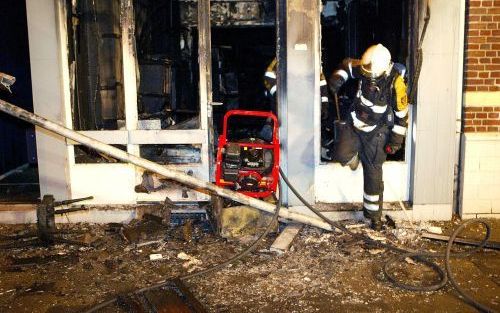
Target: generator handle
(262,114)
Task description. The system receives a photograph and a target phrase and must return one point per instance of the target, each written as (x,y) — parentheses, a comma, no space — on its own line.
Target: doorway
(348,28)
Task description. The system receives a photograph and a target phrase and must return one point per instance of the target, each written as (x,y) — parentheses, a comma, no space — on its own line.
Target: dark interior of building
(348,28)
(17,138)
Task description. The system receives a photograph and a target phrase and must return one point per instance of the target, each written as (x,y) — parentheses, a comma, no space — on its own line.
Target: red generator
(248,153)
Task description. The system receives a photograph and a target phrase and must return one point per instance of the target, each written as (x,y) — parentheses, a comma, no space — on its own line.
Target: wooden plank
(6,207)
(285,239)
(490,244)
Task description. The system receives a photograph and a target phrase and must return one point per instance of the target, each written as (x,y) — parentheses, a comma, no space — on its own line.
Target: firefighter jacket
(270,84)
(378,101)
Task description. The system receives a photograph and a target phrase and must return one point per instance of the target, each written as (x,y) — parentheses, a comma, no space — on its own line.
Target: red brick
(481,115)
(472,33)
(495,32)
(484,75)
(485,60)
(475,68)
(485,32)
(470,115)
(494,67)
(496,18)
(494,88)
(472,60)
(470,88)
(469,129)
(489,81)
(492,129)
(468,123)
(497,109)
(492,39)
(495,46)
(495,60)
(492,26)
(486,18)
(491,122)
(491,53)
(476,53)
(477,11)
(475,81)
(480,129)
(495,74)
(474,18)
(485,46)
(478,40)
(498,81)
(474,46)
(493,115)
(487,3)
(473,109)
(482,88)
(474,3)
(474,26)
(494,11)
(488,109)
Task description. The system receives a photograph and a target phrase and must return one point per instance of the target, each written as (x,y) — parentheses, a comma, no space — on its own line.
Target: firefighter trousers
(369,146)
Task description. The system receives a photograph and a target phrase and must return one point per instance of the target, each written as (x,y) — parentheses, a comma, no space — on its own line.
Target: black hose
(420,55)
(216,267)
(418,256)
(466,297)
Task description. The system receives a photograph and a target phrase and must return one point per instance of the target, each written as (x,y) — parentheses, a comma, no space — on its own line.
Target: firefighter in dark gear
(376,125)
(270,84)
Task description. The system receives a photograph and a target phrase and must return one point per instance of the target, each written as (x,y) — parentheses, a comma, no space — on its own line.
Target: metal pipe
(71,201)
(14,171)
(178,176)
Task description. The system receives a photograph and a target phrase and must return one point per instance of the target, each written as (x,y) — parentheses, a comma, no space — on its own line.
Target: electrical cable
(420,55)
(216,267)
(418,256)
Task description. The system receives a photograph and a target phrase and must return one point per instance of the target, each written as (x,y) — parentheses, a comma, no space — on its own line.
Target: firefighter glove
(392,148)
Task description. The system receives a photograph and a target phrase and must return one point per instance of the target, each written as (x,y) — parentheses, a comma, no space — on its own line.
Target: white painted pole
(178,176)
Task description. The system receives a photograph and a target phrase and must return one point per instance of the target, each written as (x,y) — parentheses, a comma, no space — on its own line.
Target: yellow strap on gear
(270,68)
(401,96)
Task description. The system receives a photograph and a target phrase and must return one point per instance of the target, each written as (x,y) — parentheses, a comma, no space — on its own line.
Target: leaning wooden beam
(178,176)
(489,244)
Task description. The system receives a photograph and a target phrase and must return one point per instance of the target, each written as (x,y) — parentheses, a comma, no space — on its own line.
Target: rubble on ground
(322,270)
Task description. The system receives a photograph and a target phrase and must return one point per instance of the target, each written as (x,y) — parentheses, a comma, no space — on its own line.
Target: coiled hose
(422,257)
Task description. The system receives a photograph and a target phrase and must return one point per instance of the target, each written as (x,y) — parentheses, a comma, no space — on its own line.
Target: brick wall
(482,119)
(482,51)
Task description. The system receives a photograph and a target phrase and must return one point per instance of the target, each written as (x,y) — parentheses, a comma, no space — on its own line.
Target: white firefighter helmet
(375,61)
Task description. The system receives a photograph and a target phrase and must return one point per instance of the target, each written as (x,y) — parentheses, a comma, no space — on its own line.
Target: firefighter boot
(375,219)
(376,224)
(375,216)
